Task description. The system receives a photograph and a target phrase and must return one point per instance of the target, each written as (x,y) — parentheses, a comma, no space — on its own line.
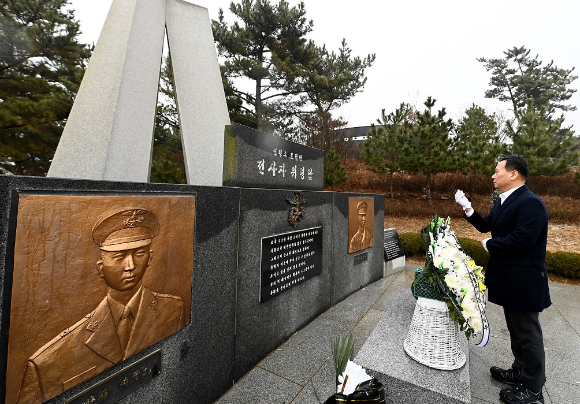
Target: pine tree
(293,82)
(383,147)
(41,67)
(478,142)
(268,46)
(518,78)
(334,171)
(428,149)
(330,80)
(167,160)
(541,142)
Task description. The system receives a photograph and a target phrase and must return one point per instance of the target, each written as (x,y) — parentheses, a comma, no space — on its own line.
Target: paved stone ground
(301,369)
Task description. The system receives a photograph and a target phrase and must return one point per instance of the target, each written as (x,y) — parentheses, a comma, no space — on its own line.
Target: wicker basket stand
(433,339)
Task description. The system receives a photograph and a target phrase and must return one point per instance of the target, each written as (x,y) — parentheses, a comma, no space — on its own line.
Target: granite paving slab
(261,387)
(561,392)
(301,356)
(563,383)
(407,381)
(400,281)
(351,310)
(320,387)
(565,298)
(365,327)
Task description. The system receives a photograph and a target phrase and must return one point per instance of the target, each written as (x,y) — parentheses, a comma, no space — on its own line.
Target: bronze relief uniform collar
(117,307)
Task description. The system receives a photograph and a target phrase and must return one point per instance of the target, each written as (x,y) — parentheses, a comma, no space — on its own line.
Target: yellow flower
(481,286)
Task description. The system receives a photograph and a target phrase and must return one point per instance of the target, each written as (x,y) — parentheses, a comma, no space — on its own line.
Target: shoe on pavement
(509,376)
(521,395)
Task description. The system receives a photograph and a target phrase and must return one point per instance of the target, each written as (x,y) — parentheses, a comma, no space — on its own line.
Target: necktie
(124,328)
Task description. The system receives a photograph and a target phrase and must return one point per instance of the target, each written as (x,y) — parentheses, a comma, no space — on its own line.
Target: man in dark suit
(516,276)
(129,319)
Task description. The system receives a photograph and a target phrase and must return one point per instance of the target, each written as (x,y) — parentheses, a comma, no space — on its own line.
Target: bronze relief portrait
(360,223)
(96,280)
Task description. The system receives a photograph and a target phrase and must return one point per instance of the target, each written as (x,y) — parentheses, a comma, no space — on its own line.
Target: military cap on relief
(361,208)
(126,229)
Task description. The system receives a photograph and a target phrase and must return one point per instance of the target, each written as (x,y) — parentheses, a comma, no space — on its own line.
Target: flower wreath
(450,269)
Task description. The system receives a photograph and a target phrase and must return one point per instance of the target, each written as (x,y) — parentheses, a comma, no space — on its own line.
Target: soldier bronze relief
(360,223)
(128,319)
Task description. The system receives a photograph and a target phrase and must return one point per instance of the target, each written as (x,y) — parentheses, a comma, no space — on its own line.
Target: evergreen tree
(167,160)
(321,131)
(518,78)
(267,46)
(541,143)
(428,150)
(329,81)
(295,85)
(478,142)
(334,172)
(383,147)
(41,67)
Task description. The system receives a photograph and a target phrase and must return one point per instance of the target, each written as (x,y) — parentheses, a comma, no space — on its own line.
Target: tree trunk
(391,185)
(259,104)
(429,199)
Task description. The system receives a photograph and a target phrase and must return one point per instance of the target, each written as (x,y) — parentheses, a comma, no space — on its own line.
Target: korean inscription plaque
(392,244)
(360,258)
(123,383)
(288,260)
(256,159)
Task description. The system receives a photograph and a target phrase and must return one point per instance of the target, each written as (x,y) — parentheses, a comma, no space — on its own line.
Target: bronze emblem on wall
(97,279)
(297,210)
(360,223)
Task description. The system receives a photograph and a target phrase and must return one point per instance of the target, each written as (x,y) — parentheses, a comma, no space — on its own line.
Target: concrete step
(407,381)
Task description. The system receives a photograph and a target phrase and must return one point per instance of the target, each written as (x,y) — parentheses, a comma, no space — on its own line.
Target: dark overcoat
(516,275)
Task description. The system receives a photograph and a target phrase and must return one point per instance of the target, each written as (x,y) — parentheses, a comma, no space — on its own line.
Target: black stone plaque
(288,260)
(254,159)
(393,247)
(360,258)
(121,384)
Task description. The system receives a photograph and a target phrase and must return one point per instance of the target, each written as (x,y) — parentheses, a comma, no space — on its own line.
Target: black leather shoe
(508,376)
(520,395)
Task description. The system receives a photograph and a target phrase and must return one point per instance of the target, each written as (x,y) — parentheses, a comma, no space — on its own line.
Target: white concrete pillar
(109,133)
(201,102)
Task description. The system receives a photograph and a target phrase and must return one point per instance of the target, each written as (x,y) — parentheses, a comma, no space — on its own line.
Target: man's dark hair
(517,163)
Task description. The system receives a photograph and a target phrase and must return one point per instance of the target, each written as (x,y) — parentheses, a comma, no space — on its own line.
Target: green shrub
(475,250)
(412,244)
(563,263)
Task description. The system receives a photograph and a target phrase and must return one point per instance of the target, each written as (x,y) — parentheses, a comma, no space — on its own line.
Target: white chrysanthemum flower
(446,254)
(452,282)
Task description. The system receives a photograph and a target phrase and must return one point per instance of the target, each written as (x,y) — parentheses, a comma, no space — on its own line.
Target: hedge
(566,264)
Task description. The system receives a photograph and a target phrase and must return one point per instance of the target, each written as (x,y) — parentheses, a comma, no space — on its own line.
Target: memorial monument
(118,290)
(114,111)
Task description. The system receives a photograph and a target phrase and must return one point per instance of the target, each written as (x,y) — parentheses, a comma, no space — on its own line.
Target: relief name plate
(360,258)
(122,383)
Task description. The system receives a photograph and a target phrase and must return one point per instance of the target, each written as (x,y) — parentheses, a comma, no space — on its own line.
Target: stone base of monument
(393,266)
(249,278)
(405,380)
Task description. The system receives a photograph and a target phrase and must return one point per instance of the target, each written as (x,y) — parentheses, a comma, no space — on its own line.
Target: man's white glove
(461,199)
(484,243)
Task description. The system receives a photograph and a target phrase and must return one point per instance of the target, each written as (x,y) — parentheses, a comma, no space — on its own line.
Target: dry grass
(409,210)
(560,194)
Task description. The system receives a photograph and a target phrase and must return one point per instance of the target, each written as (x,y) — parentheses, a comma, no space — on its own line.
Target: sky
(423,48)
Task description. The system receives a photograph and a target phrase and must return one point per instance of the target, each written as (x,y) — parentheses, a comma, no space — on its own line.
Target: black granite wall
(230,329)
